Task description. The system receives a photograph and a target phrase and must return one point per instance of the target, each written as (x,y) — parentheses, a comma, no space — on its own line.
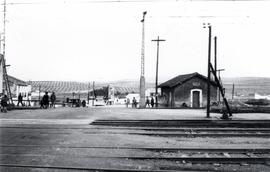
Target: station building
(189,90)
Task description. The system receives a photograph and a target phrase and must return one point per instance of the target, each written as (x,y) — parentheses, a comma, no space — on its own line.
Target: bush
(259,102)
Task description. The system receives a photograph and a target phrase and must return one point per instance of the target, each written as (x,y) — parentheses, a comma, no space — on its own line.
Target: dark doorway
(196,99)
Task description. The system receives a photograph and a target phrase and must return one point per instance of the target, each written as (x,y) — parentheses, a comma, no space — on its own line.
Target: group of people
(20,100)
(149,102)
(46,99)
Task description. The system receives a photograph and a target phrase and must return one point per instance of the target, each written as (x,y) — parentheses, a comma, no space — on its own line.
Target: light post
(142,78)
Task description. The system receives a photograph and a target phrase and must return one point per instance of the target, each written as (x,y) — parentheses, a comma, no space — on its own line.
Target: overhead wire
(119,1)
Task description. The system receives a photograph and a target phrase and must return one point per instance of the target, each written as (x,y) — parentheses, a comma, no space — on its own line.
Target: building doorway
(196,99)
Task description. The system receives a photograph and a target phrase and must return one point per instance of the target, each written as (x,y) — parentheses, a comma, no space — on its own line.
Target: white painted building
(258,96)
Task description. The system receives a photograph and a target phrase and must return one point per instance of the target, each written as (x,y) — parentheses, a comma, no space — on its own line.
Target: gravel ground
(86,115)
(65,127)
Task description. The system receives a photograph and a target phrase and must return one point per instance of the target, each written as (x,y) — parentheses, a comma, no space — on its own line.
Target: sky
(91,40)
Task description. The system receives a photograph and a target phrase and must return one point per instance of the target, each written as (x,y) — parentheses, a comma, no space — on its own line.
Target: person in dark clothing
(20,99)
(152,102)
(4,103)
(134,103)
(83,103)
(53,98)
(147,102)
(41,104)
(45,100)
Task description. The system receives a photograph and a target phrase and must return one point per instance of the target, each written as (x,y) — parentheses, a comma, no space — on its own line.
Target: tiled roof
(180,79)
(16,81)
(69,87)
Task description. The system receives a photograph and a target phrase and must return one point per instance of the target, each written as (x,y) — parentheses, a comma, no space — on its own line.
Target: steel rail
(210,150)
(138,128)
(86,168)
(183,120)
(171,134)
(223,160)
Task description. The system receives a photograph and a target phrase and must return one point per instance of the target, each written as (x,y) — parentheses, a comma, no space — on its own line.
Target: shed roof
(180,79)
(16,81)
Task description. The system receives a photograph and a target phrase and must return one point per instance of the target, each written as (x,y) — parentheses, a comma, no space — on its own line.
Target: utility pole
(232,91)
(0,43)
(5,75)
(219,78)
(142,78)
(208,71)
(215,53)
(1,61)
(39,88)
(157,40)
(93,93)
(88,94)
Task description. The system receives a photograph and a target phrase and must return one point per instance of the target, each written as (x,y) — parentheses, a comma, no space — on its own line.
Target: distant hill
(247,86)
(244,86)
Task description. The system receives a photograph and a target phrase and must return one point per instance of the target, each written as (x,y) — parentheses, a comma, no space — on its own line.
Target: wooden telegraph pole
(157,40)
(5,75)
(232,91)
(213,70)
(208,71)
(215,49)
(219,78)
(93,98)
(88,93)
(39,88)
(215,65)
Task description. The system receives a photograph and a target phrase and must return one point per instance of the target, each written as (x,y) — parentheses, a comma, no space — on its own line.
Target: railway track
(187,123)
(134,128)
(77,168)
(169,153)
(156,159)
(148,131)
(174,155)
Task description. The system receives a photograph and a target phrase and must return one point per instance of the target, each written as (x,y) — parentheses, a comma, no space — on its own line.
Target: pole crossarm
(158,40)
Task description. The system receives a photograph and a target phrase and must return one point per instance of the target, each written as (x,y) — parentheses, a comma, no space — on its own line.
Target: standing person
(29,99)
(147,102)
(83,103)
(41,103)
(134,102)
(20,99)
(53,98)
(45,100)
(4,103)
(152,102)
(128,101)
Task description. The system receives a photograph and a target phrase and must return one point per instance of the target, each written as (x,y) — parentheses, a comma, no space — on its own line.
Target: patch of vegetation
(258,102)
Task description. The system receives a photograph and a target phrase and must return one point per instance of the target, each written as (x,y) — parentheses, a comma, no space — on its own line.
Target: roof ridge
(180,79)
